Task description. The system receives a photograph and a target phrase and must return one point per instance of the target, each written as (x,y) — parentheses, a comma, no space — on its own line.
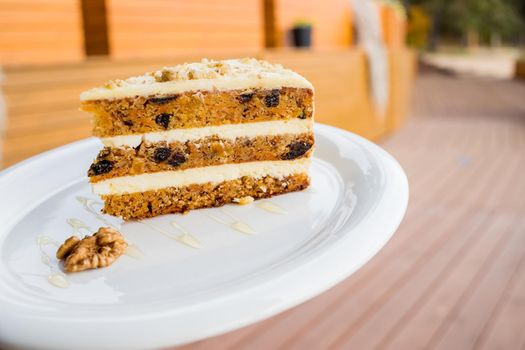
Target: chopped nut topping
(163,75)
(205,69)
(92,252)
(243,200)
(112,84)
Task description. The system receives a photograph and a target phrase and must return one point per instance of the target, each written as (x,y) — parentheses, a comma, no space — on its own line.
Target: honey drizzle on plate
(78,226)
(184,238)
(134,252)
(88,206)
(59,279)
(271,207)
(236,225)
(55,277)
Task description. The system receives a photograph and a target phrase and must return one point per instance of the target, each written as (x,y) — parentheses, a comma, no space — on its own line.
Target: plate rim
(300,294)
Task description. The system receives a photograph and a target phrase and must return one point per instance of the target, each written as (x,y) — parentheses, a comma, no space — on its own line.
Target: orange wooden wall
(393,25)
(45,31)
(167,27)
(331,19)
(38,31)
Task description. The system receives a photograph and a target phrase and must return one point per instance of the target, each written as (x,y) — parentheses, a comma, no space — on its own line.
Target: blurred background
(438,83)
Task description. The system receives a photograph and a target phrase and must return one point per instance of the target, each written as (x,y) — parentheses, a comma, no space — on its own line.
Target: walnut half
(92,252)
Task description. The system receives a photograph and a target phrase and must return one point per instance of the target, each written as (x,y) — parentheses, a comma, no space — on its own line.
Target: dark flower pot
(302,36)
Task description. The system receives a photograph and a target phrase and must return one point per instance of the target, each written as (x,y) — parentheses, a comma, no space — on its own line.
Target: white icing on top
(226,131)
(213,174)
(246,73)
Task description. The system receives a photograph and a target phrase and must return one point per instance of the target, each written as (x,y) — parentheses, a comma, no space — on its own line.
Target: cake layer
(196,109)
(226,132)
(146,204)
(206,75)
(200,135)
(212,174)
(212,150)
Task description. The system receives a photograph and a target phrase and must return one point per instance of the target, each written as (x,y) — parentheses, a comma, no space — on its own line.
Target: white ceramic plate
(166,293)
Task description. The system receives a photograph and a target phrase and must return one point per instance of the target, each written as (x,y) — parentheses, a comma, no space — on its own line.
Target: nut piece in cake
(244,200)
(92,252)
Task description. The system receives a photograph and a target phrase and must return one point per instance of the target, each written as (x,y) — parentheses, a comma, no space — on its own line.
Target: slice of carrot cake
(200,135)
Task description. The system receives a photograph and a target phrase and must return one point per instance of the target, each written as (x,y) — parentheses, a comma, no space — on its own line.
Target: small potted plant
(302,34)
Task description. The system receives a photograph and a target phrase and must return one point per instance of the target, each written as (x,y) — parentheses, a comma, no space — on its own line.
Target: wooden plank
(393,26)
(402,65)
(18,148)
(51,6)
(38,32)
(95,71)
(45,120)
(456,333)
(183,25)
(163,7)
(95,27)
(270,28)
(506,329)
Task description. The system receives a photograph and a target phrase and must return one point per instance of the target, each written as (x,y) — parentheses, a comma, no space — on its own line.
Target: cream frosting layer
(247,73)
(213,174)
(226,131)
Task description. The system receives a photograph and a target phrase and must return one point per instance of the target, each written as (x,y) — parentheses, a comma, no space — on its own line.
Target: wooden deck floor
(453,277)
